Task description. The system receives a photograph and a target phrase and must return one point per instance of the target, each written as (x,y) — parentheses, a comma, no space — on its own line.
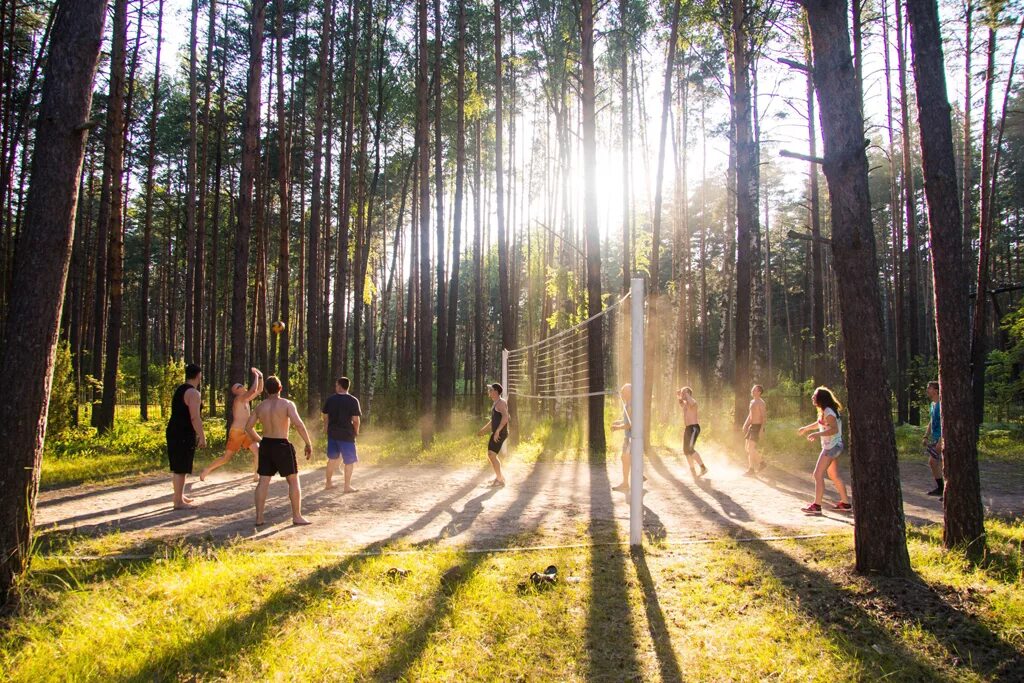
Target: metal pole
(504,374)
(636,450)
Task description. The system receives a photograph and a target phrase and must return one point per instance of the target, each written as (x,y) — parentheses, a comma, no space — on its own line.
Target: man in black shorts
(498,426)
(691,430)
(277,455)
(185,433)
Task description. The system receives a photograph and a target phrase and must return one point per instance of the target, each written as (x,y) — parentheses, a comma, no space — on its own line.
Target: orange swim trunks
(237,440)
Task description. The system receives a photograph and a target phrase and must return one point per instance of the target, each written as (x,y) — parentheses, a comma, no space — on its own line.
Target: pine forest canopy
(337,169)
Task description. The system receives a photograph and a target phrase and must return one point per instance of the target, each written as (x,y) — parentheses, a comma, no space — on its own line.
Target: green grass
(787,610)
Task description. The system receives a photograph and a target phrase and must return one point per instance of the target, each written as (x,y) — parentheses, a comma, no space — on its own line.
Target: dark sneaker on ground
(935,492)
(812,509)
(842,507)
(703,470)
(762,466)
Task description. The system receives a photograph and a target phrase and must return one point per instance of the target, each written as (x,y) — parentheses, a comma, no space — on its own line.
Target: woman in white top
(830,430)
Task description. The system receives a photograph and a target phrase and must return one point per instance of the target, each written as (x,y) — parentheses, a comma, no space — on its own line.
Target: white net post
(636,450)
(504,374)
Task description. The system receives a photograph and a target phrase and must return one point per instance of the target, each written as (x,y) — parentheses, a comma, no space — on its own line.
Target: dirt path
(547,501)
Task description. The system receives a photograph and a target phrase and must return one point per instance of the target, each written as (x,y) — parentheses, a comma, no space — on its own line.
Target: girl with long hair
(829,428)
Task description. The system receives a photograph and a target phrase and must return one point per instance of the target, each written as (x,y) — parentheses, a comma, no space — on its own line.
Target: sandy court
(547,501)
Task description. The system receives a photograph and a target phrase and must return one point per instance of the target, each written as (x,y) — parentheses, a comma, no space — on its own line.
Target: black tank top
(180,422)
(496,420)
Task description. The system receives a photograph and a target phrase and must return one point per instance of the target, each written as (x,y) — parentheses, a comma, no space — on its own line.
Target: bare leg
(181,501)
(496,465)
(819,477)
(261,498)
(219,462)
(349,467)
(254,448)
(626,463)
(696,459)
(936,466)
(833,474)
(295,496)
(332,465)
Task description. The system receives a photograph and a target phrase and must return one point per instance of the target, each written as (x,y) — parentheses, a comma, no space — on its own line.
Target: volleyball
(277,327)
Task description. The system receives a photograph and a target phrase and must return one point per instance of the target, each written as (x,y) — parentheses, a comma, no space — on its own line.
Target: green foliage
(167,379)
(63,401)
(298,381)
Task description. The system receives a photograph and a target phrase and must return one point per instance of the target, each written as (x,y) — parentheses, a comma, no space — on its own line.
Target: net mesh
(557,367)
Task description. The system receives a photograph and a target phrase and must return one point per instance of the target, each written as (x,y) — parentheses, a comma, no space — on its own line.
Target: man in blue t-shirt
(341,422)
(933,439)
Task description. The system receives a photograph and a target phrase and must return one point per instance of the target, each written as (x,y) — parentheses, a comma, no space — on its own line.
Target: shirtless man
(237,438)
(276,453)
(185,433)
(757,415)
(691,431)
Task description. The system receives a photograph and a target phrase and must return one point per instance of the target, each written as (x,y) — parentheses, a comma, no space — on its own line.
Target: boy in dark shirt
(341,421)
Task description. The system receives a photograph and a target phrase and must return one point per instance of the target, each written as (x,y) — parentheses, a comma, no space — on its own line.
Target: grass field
(115,609)
(783,610)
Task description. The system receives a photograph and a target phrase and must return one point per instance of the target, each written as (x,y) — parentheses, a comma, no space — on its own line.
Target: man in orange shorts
(237,438)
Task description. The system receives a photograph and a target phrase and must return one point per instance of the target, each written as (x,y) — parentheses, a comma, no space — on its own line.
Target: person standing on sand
(185,433)
(932,441)
(237,438)
(341,422)
(625,425)
(277,454)
(691,430)
(498,427)
(830,430)
(757,415)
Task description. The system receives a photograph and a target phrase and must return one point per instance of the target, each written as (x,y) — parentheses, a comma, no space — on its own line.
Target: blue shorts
(933,451)
(346,450)
(834,452)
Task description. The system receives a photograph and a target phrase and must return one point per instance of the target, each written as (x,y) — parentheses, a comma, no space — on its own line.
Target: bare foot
(255,478)
(621,487)
(202,475)
(185,505)
(187,500)
(260,522)
(330,486)
(350,490)
(301,521)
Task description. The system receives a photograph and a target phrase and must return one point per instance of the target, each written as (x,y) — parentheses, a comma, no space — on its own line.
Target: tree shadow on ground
(854,623)
(656,625)
(610,635)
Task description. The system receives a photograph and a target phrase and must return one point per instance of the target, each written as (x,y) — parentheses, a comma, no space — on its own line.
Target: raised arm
(255,387)
(193,400)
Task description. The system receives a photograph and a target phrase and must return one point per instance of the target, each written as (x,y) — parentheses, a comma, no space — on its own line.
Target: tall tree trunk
(814,218)
(40,270)
(147,222)
(914,308)
(284,197)
(448,376)
(191,246)
(250,166)
(624,103)
(746,202)
(964,516)
(592,241)
(313,283)
(103,419)
(879,528)
(654,295)
(504,295)
(967,160)
(443,406)
(422,145)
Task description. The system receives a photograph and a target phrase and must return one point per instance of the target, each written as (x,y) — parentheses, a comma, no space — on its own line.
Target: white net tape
(557,367)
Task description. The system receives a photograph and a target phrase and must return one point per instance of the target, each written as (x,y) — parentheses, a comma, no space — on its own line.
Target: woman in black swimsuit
(498,427)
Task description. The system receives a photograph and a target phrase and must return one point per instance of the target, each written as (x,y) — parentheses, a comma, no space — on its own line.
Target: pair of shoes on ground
(815,509)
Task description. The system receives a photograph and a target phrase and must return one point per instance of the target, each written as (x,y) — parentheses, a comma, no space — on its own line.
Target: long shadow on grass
(218,647)
(848,624)
(667,664)
(610,637)
(411,643)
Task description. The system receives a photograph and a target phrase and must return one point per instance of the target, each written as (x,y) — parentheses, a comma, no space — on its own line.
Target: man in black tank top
(498,426)
(185,433)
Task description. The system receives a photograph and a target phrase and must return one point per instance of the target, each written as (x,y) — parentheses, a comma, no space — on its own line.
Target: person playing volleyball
(757,415)
(498,426)
(691,430)
(830,430)
(237,438)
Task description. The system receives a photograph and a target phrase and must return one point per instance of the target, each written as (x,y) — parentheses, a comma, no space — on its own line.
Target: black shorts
(277,456)
(181,452)
(753,433)
(494,445)
(690,435)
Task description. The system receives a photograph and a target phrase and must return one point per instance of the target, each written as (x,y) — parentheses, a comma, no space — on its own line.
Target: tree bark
(879,528)
(814,218)
(243,228)
(284,197)
(964,516)
(40,271)
(422,145)
(592,241)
